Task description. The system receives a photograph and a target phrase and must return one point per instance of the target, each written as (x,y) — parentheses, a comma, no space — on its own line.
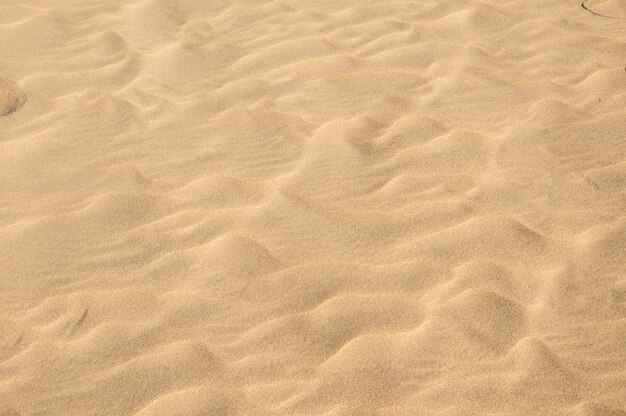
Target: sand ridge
(312,208)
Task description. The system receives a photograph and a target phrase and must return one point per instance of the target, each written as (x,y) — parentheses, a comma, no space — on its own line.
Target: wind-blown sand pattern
(312,208)
(11,97)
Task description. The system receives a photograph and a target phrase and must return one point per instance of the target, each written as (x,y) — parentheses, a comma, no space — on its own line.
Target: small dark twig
(584,6)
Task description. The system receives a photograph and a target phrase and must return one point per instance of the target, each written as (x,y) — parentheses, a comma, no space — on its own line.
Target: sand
(329,208)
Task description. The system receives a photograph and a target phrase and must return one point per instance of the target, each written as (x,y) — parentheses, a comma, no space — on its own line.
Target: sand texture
(290,207)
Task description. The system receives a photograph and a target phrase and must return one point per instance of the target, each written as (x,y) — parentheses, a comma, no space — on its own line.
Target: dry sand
(346,207)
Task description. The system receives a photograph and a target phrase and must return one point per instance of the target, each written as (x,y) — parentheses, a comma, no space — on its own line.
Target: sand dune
(312,208)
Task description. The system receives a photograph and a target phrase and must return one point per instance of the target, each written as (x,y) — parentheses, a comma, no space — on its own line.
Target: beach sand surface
(290,207)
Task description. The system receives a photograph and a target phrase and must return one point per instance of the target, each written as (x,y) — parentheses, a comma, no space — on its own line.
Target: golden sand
(298,207)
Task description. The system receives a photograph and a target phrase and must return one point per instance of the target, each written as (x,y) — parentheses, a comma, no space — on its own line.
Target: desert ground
(333,208)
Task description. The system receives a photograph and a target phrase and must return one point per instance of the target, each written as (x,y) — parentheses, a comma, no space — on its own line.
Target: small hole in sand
(12,98)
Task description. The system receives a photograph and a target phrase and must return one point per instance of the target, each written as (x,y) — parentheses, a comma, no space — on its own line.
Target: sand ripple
(312,208)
